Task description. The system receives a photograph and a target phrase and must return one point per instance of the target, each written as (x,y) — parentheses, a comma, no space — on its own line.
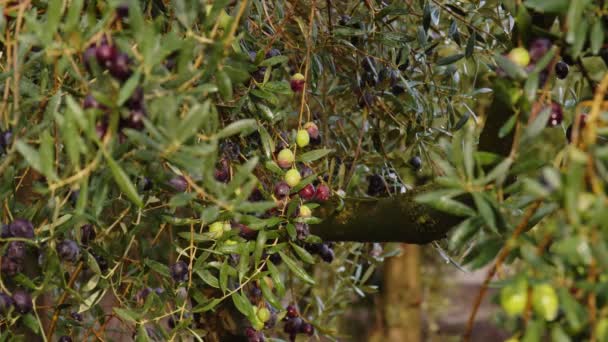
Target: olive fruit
(297,82)
(513,298)
(545,301)
(302,138)
(561,70)
(292,177)
(308,192)
(68,250)
(285,158)
(22,301)
(519,56)
(281,189)
(179,271)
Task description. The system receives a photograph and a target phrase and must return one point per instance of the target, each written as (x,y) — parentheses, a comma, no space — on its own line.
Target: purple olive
(87,234)
(22,228)
(119,68)
(106,54)
(68,250)
(179,183)
(16,251)
(22,301)
(10,267)
(6,302)
(179,271)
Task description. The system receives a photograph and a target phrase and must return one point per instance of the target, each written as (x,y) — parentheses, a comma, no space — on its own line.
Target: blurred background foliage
(140,144)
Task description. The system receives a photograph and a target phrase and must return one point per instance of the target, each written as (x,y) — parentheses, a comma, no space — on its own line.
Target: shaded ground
(452,323)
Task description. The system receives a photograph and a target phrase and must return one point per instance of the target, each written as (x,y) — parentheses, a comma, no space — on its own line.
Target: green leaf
(464,232)
(244,253)
(539,123)
(31,155)
(260,243)
(483,252)
(446,204)
(302,253)
(276,278)
(242,304)
(511,69)
(468,52)
(278,87)
(224,85)
(274,61)
(78,113)
(128,88)
(313,155)
(224,271)
(596,36)
(534,331)
(573,20)
(191,124)
(241,126)
(485,209)
(209,306)
(269,296)
(47,156)
(573,310)
(126,314)
(142,334)
(267,142)
(73,16)
(580,39)
(507,127)
(208,278)
(54,12)
(158,267)
(124,182)
(265,112)
(551,6)
(31,322)
(450,59)
(499,171)
(296,269)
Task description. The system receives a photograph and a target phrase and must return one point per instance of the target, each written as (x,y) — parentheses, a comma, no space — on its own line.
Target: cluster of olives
(12,263)
(13,259)
(107,56)
(527,58)
(515,296)
(294,324)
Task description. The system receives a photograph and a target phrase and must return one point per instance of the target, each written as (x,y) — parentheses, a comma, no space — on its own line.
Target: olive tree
(179,169)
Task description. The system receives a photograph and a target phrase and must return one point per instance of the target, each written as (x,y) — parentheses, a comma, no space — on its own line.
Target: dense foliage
(163,163)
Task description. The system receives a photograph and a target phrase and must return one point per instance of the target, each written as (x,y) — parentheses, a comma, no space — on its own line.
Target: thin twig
(64,296)
(504,253)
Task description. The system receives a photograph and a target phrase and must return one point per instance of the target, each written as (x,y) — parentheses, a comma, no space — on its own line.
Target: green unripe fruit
(302,138)
(218,228)
(285,158)
(520,56)
(545,301)
(263,314)
(513,298)
(305,211)
(601,330)
(292,177)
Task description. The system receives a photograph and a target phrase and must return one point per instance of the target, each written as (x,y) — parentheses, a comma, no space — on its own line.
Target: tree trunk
(402,296)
